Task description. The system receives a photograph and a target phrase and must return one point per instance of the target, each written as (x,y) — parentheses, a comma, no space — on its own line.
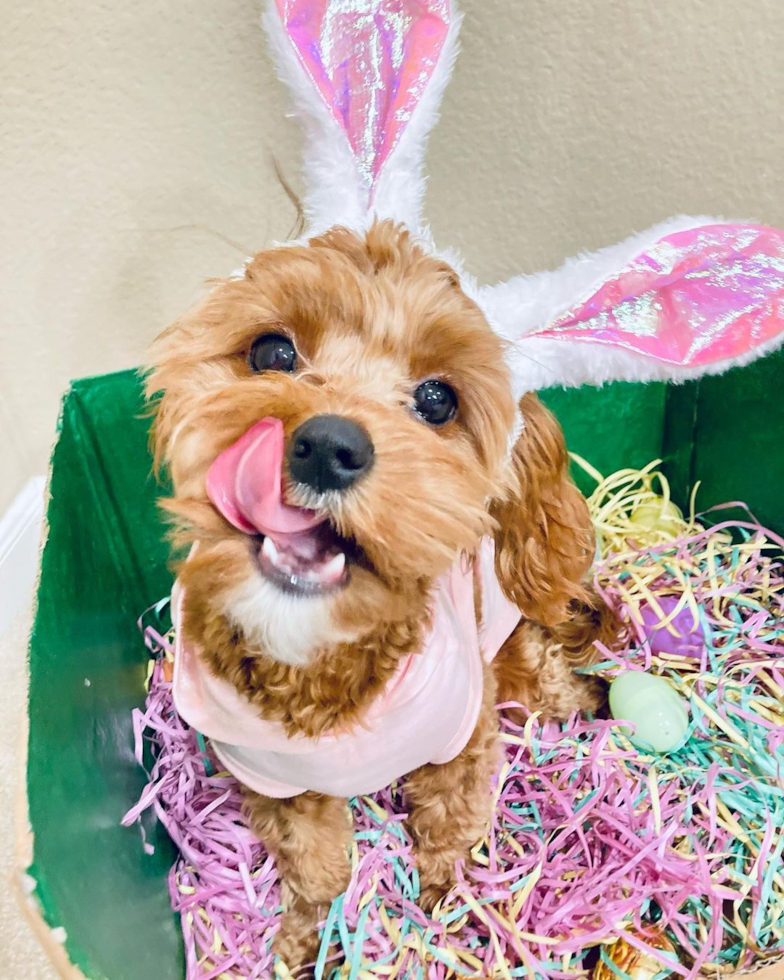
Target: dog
(347,471)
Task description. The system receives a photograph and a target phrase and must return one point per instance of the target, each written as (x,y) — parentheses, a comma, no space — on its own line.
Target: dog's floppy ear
(544,539)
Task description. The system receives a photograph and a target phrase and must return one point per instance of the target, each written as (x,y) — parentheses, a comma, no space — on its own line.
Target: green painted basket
(105,561)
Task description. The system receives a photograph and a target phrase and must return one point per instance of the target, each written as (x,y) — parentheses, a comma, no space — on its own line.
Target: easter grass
(601,852)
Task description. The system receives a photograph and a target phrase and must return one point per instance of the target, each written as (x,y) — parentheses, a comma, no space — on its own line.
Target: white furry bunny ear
(367,78)
(693,296)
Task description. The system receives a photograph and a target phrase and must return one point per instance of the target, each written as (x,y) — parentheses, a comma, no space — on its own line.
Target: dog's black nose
(329,452)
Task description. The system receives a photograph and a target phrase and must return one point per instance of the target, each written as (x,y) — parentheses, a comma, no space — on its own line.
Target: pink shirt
(426,714)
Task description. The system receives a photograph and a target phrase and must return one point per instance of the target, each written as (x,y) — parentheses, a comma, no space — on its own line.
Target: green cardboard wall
(105,562)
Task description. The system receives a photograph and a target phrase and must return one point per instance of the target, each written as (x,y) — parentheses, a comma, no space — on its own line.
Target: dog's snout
(329,452)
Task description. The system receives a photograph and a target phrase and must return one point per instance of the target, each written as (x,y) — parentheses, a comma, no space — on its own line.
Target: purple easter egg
(691,641)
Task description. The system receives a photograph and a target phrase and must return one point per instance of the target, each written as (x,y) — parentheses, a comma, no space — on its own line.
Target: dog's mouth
(313,562)
(296,547)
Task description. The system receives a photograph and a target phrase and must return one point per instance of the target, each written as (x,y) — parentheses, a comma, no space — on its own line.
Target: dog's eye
(272,352)
(435,401)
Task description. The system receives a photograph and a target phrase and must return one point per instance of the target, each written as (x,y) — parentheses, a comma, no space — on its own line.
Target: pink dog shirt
(426,714)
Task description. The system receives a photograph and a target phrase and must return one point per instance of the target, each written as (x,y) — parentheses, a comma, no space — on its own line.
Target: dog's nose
(329,452)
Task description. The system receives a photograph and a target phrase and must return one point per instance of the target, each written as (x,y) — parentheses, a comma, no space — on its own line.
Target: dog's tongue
(244,483)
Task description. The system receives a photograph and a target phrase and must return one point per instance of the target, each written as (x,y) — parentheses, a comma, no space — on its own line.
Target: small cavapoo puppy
(373,566)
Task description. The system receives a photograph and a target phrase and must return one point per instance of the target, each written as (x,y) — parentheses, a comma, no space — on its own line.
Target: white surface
(20,537)
(22,957)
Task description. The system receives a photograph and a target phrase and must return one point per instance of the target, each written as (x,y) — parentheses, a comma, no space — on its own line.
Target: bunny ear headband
(689,297)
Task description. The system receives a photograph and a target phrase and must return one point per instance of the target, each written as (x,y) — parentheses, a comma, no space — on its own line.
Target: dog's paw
(594,696)
(582,693)
(436,876)
(297,941)
(431,895)
(296,945)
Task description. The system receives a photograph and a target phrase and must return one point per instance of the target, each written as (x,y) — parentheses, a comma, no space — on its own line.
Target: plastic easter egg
(629,961)
(652,705)
(657,515)
(691,641)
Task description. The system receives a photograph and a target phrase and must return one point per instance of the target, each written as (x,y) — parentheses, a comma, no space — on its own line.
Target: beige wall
(136,142)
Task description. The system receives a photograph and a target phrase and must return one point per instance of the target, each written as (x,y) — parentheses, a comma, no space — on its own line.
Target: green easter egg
(652,705)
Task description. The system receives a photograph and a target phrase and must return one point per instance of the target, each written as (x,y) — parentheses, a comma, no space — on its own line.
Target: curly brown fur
(451,805)
(371,317)
(309,835)
(545,539)
(330,692)
(536,665)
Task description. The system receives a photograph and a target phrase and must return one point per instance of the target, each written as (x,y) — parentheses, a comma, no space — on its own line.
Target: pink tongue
(244,483)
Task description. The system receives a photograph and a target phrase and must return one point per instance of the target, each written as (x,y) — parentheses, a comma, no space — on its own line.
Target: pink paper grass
(592,838)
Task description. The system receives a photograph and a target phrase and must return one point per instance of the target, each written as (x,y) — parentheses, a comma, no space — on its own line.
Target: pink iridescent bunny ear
(367,78)
(687,298)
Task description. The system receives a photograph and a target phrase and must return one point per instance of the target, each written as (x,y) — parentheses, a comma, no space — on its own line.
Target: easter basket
(100,899)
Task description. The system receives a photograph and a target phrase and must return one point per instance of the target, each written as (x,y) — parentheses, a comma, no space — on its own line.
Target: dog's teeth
(269,550)
(334,568)
(297,571)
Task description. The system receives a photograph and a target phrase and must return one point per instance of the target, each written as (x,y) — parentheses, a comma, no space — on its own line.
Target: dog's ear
(544,539)
(166,380)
